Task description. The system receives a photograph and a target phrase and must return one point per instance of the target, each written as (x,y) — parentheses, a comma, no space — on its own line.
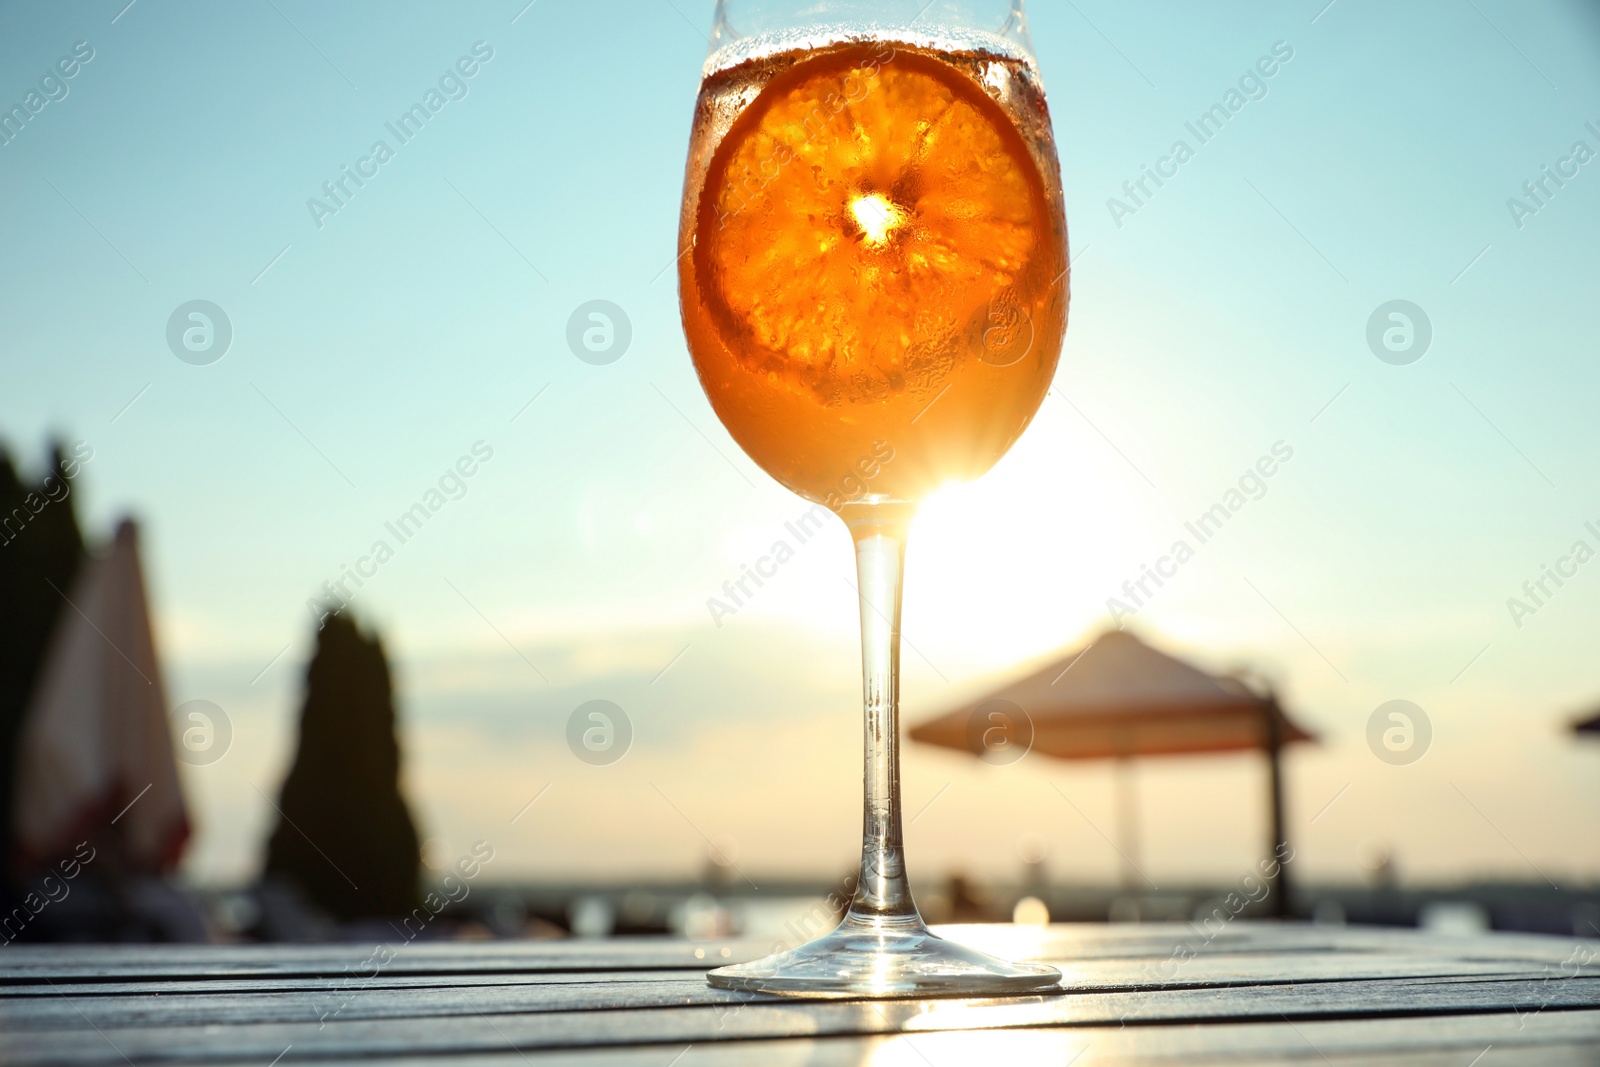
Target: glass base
(867,960)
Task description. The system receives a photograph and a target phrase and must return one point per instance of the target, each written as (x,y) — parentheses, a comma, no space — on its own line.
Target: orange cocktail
(874,287)
(875,282)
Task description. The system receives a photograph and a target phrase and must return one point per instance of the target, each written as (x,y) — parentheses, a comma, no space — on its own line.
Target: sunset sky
(1225,314)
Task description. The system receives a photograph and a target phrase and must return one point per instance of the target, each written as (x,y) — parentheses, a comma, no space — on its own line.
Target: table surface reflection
(1247,993)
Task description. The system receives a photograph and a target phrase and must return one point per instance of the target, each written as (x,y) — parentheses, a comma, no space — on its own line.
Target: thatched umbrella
(1118,699)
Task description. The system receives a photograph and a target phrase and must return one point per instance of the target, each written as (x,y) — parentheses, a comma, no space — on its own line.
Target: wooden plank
(1554,1040)
(1557,1040)
(471,1029)
(1065,942)
(31,963)
(1103,975)
(1561,1041)
(54,1006)
(194,1004)
(295,983)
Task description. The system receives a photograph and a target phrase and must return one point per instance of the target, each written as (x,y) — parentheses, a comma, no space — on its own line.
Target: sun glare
(985,573)
(876,216)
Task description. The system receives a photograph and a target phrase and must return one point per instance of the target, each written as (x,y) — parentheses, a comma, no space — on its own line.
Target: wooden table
(1251,993)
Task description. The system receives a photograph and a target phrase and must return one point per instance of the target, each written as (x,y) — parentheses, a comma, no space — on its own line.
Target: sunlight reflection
(876,216)
(960,1048)
(991,550)
(1011,942)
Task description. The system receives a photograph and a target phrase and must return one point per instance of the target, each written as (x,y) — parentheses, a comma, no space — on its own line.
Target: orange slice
(859,220)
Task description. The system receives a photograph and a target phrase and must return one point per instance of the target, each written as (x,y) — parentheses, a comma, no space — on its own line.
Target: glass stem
(882,894)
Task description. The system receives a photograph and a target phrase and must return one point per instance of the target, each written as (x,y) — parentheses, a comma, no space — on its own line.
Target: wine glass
(874,289)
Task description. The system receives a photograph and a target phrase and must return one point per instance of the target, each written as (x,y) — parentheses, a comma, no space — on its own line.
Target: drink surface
(874,285)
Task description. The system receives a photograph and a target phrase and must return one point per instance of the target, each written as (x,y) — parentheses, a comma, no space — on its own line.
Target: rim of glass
(925,29)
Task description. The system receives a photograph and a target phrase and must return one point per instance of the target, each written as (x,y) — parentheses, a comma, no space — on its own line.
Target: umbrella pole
(1128,823)
(1279,882)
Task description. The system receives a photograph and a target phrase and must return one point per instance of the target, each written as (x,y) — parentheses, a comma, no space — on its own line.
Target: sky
(1214,318)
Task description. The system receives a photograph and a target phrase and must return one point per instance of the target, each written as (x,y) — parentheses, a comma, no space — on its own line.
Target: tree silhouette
(345,836)
(40,546)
